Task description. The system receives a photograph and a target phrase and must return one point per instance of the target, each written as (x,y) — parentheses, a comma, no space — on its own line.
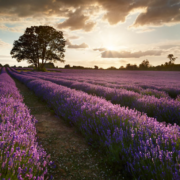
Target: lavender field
(20,155)
(133,117)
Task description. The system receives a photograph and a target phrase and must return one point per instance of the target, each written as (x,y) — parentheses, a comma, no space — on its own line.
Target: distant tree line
(77,67)
(6,65)
(144,65)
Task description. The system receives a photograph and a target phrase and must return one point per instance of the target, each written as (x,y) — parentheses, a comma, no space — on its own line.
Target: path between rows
(73,157)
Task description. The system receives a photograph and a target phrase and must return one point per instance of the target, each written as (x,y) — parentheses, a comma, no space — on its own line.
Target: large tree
(38,45)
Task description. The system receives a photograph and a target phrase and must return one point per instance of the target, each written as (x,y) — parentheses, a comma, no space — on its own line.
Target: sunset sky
(98,32)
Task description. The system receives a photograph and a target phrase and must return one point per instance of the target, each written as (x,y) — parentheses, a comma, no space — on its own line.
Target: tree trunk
(38,63)
(43,56)
(42,65)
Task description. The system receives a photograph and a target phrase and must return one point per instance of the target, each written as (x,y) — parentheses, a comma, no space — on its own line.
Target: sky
(97,32)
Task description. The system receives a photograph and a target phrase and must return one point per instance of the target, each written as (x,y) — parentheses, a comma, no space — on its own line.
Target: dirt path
(73,157)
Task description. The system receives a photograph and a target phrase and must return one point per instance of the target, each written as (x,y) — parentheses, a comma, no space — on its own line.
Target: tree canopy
(144,65)
(39,43)
(171,58)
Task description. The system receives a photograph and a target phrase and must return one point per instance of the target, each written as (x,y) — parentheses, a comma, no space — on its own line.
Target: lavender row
(8,87)
(20,155)
(164,109)
(146,148)
(160,81)
(148,91)
(138,89)
(143,88)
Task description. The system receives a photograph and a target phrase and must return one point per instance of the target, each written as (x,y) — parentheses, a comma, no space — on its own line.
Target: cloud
(169,46)
(76,46)
(116,11)
(73,37)
(123,61)
(127,54)
(13,29)
(4,44)
(69,35)
(78,13)
(142,29)
(31,8)
(152,13)
(77,20)
(99,49)
(159,13)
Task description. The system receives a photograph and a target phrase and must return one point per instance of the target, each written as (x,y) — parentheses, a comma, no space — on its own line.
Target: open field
(132,118)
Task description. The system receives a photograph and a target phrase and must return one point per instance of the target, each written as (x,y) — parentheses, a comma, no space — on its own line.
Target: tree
(96,67)
(167,63)
(112,68)
(144,65)
(6,65)
(171,58)
(39,43)
(67,66)
(131,66)
(122,67)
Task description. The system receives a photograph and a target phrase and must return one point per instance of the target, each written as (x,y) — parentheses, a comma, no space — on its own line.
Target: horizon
(100,33)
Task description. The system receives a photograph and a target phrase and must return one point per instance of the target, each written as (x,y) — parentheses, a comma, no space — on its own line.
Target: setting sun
(110,48)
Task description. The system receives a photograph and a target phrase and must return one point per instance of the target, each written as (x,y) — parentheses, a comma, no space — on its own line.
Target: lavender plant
(164,109)
(178,98)
(161,81)
(146,148)
(148,91)
(20,155)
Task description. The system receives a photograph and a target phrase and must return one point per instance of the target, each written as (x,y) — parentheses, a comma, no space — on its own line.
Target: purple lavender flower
(18,135)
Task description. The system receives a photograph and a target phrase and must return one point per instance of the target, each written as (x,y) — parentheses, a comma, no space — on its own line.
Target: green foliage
(171,58)
(131,66)
(67,66)
(39,43)
(145,64)
(6,65)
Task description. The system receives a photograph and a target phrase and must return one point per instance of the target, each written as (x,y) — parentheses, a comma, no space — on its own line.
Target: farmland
(132,117)
(21,156)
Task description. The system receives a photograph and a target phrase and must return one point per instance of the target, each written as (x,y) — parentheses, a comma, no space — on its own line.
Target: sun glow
(110,48)
(111,42)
